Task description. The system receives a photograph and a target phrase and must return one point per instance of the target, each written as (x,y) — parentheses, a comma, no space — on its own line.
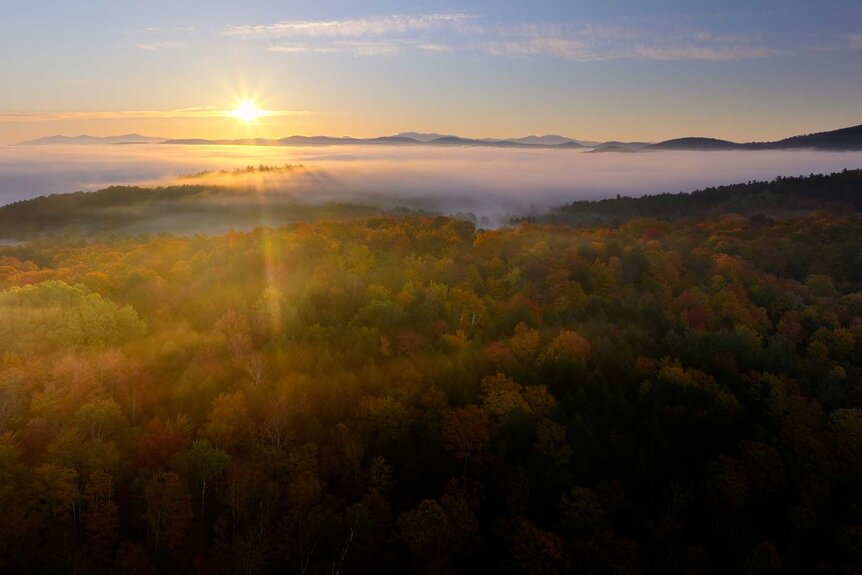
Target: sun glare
(247,111)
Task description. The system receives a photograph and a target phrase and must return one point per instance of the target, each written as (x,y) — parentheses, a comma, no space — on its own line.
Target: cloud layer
(459,32)
(675,38)
(496,183)
(363,27)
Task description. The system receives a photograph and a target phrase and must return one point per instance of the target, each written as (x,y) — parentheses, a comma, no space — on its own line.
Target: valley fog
(491,182)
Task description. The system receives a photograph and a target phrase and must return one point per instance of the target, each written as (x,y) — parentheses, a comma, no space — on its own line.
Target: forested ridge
(388,395)
(214,202)
(840,193)
(188,208)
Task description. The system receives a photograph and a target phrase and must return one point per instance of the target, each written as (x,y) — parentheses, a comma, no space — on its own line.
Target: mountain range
(93,140)
(843,139)
(836,140)
(397,140)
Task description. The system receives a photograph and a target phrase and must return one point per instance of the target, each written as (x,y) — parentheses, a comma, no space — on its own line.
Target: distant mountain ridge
(842,139)
(547,140)
(400,139)
(695,144)
(422,136)
(85,140)
(845,139)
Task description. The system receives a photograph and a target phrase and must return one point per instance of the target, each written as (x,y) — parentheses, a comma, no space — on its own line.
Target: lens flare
(248,111)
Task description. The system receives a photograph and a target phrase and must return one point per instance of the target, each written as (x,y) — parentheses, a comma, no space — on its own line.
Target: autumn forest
(393,393)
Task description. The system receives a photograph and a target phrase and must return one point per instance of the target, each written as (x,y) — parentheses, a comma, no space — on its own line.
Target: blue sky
(632,70)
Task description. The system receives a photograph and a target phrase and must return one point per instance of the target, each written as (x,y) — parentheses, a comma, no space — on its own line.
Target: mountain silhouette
(695,144)
(85,140)
(835,140)
(844,139)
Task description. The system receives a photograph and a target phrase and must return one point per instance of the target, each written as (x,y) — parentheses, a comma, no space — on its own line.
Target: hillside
(188,209)
(217,201)
(839,193)
(694,144)
(847,138)
(836,140)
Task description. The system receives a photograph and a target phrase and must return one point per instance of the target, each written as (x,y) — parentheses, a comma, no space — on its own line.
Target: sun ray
(248,111)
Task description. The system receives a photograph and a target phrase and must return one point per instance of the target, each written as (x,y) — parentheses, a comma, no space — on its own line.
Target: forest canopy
(393,394)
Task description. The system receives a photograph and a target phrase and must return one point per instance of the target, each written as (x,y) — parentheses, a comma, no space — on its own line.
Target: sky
(595,70)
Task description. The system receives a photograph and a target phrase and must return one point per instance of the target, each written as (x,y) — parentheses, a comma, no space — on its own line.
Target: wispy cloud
(691,52)
(200,112)
(352,47)
(461,32)
(359,48)
(152,30)
(158,39)
(301,49)
(157,46)
(837,43)
(363,37)
(595,42)
(438,48)
(374,26)
(566,48)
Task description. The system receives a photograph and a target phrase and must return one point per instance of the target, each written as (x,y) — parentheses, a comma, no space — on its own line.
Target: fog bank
(486,181)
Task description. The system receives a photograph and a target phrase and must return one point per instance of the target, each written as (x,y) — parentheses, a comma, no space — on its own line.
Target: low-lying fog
(486,181)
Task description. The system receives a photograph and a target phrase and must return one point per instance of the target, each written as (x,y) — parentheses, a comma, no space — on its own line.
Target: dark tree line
(840,193)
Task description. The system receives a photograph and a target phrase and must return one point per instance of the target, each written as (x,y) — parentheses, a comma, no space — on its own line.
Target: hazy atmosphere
(431,287)
(496,183)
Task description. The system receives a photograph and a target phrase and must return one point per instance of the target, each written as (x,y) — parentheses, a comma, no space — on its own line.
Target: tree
(201,462)
(161,441)
(502,395)
(524,343)
(229,425)
(237,334)
(256,368)
(101,419)
(568,346)
(56,491)
(101,520)
(425,529)
(53,314)
(536,550)
(351,447)
(276,428)
(169,511)
(467,434)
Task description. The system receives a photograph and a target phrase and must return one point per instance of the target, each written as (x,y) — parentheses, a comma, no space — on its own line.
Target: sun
(248,111)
